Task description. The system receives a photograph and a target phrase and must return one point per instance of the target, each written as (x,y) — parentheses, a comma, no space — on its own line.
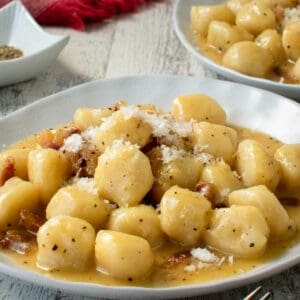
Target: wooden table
(143,43)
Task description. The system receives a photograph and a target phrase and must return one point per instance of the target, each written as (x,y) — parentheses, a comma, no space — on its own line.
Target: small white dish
(261,110)
(181,20)
(40,49)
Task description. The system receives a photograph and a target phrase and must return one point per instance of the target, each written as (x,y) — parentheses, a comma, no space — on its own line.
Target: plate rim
(133,291)
(42,100)
(218,68)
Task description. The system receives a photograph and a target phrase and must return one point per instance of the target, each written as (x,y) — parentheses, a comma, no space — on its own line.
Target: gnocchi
(75,202)
(256,166)
(238,230)
(65,243)
(183,171)
(201,16)
(274,24)
(185,192)
(288,157)
(198,107)
(248,58)
(255,17)
(122,255)
(48,169)
(16,194)
(220,141)
(223,179)
(184,215)
(141,220)
(123,175)
(269,205)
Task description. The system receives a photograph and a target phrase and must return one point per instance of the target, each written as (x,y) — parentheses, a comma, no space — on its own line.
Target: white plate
(181,20)
(244,105)
(40,49)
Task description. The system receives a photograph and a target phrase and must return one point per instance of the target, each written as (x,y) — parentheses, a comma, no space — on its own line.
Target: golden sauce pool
(166,274)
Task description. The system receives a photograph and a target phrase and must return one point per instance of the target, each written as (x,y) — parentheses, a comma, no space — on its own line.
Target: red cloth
(74,13)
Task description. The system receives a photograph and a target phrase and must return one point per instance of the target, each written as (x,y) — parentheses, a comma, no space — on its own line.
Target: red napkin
(74,13)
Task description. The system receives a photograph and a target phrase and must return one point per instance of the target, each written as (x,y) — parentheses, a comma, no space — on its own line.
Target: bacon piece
(31,221)
(48,139)
(45,139)
(290,201)
(178,258)
(206,190)
(84,162)
(8,171)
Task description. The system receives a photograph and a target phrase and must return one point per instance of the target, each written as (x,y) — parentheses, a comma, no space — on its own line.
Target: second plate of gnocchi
(248,41)
(174,191)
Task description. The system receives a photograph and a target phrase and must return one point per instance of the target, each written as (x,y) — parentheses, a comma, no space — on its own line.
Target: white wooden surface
(143,43)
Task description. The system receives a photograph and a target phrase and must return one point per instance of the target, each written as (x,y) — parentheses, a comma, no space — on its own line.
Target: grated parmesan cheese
(163,125)
(291,15)
(171,153)
(204,255)
(73,143)
(190,268)
(90,133)
(85,184)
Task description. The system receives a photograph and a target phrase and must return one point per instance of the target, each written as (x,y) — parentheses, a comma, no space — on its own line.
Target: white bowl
(262,110)
(181,20)
(40,49)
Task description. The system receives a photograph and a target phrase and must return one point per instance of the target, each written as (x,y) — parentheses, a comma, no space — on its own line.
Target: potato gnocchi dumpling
(121,127)
(238,230)
(220,141)
(288,157)
(122,255)
(183,171)
(16,195)
(270,40)
(65,243)
(184,215)
(291,40)
(75,202)
(223,180)
(198,107)
(275,26)
(222,35)
(248,58)
(201,17)
(184,195)
(123,175)
(48,169)
(256,166)
(271,208)
(294,214)
(90,117)
(140,220)
(296,70)
(255,17)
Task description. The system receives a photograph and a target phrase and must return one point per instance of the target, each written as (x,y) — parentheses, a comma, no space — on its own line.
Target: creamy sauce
(281,74)
(164,275)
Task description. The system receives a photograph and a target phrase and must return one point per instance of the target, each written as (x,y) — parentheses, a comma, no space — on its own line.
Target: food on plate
(134,195)
(256,38)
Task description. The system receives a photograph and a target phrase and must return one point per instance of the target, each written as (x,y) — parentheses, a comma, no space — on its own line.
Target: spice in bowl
(8,52)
